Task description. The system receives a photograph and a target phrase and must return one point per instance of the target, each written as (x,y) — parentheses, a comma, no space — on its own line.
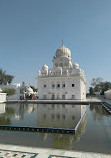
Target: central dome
(63,51)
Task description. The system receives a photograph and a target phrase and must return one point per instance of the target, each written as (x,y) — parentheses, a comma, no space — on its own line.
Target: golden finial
(62,42)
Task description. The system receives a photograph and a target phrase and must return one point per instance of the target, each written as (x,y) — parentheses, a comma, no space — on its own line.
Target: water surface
(42,115)
(93,134)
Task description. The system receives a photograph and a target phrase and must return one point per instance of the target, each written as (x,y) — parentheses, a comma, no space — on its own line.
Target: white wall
(68,90)
(83,90)
(2,97)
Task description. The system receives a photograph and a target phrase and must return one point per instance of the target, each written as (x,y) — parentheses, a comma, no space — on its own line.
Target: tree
(96,83)
(5,78)
(91,91)
(105,86)
(98,86)
(9,78)
(9,91)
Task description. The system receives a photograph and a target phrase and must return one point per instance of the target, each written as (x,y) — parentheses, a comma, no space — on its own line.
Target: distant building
(64,81)
(21,91)
(107,94)
(15,86)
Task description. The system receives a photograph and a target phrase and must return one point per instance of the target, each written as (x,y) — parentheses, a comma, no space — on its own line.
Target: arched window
(53,96)
(63,96)
(45,97)
(73,96)
(53,85)
(58,84)
(63,85)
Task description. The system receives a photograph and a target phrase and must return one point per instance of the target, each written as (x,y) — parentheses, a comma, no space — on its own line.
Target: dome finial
(62,42)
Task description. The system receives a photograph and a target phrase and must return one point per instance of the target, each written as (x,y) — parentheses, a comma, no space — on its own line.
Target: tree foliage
(9,91)
(98,86)
(91,91)
(5,78)
(105,86)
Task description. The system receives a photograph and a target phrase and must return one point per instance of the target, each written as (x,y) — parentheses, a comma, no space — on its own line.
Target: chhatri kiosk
(64,81)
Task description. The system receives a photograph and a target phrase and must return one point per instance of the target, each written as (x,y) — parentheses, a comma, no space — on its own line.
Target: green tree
(91,91)
(5,78)
(96,81)
(98,86)
(105,86)
(9,91)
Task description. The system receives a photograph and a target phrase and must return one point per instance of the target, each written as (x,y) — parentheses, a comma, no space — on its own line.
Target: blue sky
(32,30)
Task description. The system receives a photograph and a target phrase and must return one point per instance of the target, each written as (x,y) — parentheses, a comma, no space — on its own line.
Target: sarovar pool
(93,133)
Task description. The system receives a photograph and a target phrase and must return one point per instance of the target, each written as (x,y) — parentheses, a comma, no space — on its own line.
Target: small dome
(63,51)
(76,65)
(29,89)
(45,67)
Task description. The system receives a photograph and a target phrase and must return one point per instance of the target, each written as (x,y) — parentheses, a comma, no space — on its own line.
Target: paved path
(11,151)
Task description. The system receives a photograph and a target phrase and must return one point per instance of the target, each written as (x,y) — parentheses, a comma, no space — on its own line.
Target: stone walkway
(13,151)
(16,154)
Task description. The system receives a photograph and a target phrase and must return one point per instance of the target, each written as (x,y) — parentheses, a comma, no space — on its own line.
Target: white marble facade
(2,97)
(64,81)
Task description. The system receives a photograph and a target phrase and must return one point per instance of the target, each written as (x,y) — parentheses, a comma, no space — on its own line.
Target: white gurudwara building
(64,81)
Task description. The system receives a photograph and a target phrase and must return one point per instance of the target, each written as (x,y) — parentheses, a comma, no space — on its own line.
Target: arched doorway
(58,96)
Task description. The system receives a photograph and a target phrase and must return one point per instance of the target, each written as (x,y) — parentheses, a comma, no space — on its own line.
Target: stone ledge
(49,153)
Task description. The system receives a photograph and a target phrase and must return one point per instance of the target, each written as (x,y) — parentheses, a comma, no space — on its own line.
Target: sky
(32,30)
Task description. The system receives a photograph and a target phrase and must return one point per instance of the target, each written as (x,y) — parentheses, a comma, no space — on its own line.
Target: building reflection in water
(43,115)
(47,115)
(65,116)
(59,116)
(67,141)
(4,120)
(15,113)
(2,108)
